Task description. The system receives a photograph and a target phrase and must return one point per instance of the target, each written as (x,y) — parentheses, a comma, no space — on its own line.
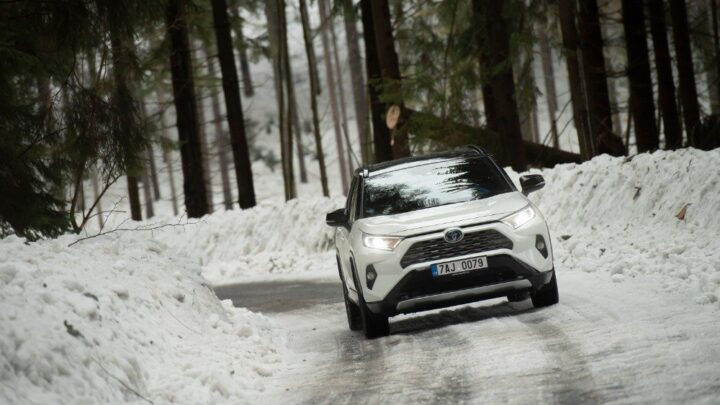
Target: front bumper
(523,260)
(420,291)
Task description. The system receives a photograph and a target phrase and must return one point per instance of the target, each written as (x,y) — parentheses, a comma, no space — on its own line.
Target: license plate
(459,266)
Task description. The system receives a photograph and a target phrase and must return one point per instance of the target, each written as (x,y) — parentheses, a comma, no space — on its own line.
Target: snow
(123,318)
(618,216)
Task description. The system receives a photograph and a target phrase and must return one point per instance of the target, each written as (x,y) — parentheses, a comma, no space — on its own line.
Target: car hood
(445,216)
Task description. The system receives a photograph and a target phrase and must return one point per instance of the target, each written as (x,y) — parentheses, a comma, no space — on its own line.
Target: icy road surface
(605,342)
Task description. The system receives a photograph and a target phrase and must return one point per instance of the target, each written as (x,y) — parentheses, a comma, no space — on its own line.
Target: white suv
(439,230)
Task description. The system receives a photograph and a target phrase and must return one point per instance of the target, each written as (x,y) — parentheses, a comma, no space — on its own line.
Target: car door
(343,236)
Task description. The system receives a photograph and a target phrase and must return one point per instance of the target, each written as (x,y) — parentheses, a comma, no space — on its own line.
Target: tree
(380,132)
(341,90)
(686,71)
(498,82)
(641,89)
(221,139)
(241,47)
(312,65)
(546,60)
(595,81)
(330,77)
(358,81)
(198,58)
(231,90)
(186,110)
(389,71)
(286,138)
(567,11)
(666,86)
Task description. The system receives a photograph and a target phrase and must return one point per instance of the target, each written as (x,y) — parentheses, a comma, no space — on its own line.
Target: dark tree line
(86,90)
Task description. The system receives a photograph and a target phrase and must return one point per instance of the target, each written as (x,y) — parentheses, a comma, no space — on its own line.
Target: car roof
(412,161)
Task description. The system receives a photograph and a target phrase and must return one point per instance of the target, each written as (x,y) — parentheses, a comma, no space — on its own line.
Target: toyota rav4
(439,230)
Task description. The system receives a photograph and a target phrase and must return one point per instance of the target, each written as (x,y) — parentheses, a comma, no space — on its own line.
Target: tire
(352,310)
(374,325)
(547,295)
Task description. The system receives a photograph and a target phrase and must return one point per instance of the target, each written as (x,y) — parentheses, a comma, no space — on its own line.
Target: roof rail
(477,149)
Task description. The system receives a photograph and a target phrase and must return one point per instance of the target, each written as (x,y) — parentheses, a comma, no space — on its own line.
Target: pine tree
(357,79)
(186,110)
(390,72)
(686,71)
(380,132)
(666,85)
(567,11)
(595,81)
(221,138)
(330,77)
(641,90)
(231,89)
(312,65)
(498,82)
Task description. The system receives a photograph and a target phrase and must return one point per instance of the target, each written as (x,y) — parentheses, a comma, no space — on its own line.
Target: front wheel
(547,295)
(374,325)
(352,310)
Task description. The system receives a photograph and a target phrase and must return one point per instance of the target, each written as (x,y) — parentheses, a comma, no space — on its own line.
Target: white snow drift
(122,319)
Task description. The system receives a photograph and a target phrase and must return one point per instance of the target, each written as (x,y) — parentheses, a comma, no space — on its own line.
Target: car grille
(439,249)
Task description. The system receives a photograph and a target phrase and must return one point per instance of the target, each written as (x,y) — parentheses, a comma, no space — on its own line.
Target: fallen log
(451,134)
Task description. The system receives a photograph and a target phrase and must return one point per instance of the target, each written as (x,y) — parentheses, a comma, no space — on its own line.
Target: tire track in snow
(569,376)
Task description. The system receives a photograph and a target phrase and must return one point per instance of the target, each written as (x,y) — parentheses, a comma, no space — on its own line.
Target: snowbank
(267,241)
(122,318)
(618,215)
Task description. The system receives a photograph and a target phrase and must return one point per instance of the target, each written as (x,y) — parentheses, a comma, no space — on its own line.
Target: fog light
(370,276)
(540,246)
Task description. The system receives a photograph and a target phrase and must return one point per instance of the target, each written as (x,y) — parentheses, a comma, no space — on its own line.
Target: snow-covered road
(605,342)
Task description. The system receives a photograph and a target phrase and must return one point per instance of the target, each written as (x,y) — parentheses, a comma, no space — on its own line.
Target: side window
(352,214)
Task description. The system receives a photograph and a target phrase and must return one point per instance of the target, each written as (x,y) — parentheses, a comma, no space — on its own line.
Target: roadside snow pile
(265,241)
(121,319)
(619,215)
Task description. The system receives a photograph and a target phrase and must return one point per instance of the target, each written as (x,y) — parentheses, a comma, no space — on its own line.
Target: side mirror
(531,182)
(336,218)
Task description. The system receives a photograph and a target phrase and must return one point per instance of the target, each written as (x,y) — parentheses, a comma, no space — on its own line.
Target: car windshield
(439,182)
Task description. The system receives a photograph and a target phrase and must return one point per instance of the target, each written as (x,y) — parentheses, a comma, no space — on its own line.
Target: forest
(97,95)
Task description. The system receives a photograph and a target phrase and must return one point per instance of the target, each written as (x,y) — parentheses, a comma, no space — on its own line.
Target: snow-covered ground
(123,318)
(131,315)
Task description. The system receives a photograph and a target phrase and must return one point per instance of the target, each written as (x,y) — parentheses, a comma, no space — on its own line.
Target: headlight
(520,218)
(381,242)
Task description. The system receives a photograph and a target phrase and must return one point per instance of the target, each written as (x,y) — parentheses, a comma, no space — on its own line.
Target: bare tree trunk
(290,191)
(641,90)
(134,198)
(351,158)
(98,197)
(167,158)
(329,75)
(300,148)
(186,110)
(663,65)
(380,132)
(567,11)
(595,80)
(147,194)
(153,173)
(241,48)
(390,70)
(358,81)
(312,65)
(494,45)
(221,139)
(198,58)
(546,59)
(686,71)
(233,103)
